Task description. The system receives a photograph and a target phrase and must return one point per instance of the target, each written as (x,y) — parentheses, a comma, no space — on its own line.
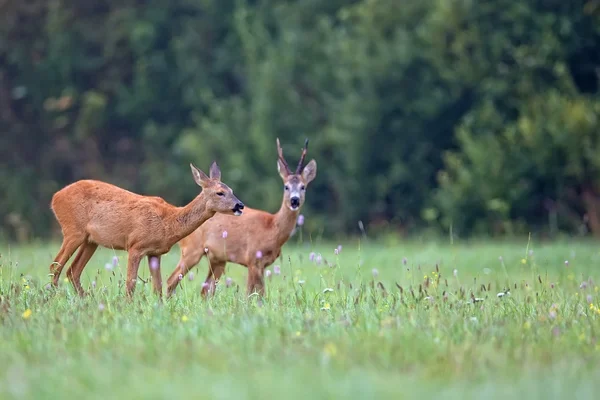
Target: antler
(302,157)
(282,159)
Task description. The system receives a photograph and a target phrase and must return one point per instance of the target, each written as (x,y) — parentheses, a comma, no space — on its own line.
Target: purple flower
(319,259)
(276,269)
(93,284)
(115,261)
(180,276)
(154,263)
(191,276)
(583,285)
(259,254)
(300,220)
(336,251)
(224,234)
(311,256)
(589,298)
(404,260)
(339,248)
(268,273)
(228,282)
(205,285)
(101,307)
(552,314)
(375,272)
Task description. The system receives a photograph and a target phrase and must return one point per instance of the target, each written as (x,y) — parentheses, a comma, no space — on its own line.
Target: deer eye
(220,194)
(302,188)
(286,187)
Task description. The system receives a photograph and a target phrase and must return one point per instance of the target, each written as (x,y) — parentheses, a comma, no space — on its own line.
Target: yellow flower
(66,280)
(26,287)
(184,318)
(326,306)
(297,333)
(27,313)
(330,349)
(523,261)
(527,325)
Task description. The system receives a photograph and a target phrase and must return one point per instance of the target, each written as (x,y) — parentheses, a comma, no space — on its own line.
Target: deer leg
(133,264)
(215,270)
(187,261)
(67,248)
(256,283)
(86,251)
(154,264)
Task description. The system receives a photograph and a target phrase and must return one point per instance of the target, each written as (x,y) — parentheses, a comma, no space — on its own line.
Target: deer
(253,240)
(93,213)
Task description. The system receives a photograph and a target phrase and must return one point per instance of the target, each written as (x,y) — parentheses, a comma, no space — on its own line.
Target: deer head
(294,184)
(219,197)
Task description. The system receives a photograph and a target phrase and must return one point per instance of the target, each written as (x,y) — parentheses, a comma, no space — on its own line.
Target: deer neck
(187,219)
(285,221)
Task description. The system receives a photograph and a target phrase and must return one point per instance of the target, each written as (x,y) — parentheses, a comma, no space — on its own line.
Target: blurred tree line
(480,116)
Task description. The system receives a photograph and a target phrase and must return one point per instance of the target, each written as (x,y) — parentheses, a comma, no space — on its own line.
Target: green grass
(358,341)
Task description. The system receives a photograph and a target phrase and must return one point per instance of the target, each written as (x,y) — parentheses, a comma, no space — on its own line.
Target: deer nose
(295,201)
(239,206)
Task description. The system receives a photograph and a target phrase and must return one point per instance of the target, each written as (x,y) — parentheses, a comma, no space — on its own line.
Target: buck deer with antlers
(253,240)
(93,213)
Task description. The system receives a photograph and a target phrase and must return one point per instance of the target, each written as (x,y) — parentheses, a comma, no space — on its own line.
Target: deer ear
(310,171)
(215,171)
(199,176)
(282,170)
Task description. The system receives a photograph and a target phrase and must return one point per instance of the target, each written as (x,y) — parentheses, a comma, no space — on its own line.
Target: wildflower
(27,313)
(298,333)
(66,280)
(259,254)
(224,234)
(93,284)
(566,263)
(336,251)
(205,285)
(327,290)
(301,282)
(276,269)
(527,325)
(311,256)
(326,307)
(268,273)
(589,298)
(319,259)
(300,220)
(228,282)
(339,248)
(530,253)
(184,318)
(154,263)
(180,276)
(523,261)
(330,349)
(375,272)
(191,276)
(552,314)
(583,285)
(26,287)
(404,260)
(455,272)
(501,259)
(108,266)
(101,306)
(115,261)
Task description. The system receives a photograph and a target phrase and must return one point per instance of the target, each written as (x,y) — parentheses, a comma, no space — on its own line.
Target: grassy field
(435,327)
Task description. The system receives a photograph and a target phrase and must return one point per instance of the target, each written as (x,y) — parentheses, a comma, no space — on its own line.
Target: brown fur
(254,231)
(93,213)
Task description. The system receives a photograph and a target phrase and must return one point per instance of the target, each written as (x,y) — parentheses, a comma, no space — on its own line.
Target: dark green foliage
(480,115)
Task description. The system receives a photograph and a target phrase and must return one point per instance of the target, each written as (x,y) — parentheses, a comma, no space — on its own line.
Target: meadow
(417,319)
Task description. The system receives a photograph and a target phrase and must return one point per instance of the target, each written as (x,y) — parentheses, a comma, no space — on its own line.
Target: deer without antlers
(93,213)
(253,240)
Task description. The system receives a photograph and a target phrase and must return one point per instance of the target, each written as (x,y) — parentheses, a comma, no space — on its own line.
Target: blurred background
(425,116)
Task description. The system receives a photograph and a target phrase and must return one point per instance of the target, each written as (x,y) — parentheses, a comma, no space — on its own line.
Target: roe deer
(253,240)
(93,213)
